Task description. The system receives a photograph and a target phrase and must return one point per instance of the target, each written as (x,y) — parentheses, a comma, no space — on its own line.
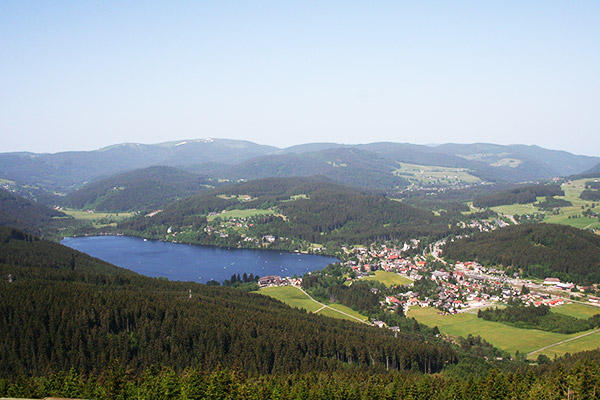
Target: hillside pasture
(570,215)
(426,174)
(388,278)
(503,336)
(577,310)
(241,213)
(291,296)
(98,219)
(294,297)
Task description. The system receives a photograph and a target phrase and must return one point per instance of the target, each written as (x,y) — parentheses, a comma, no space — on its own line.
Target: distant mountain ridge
(370,165)
(24,214)
(142,189)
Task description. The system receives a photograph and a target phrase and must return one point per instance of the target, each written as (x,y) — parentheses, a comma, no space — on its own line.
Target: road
(331,308)
(564,341)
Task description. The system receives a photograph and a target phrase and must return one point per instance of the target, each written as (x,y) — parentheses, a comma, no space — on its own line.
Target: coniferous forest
(539,250)
(75,326)
(63,309)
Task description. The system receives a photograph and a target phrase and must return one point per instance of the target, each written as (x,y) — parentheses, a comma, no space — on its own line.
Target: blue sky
(83,75)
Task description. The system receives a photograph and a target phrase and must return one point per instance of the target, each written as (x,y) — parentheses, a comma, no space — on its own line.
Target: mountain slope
(594,171)
(348,166)
(366,165)
(294,210)
(143,189)
(527,162)
(64,309)
(65,171)
(540,250)
(24,214)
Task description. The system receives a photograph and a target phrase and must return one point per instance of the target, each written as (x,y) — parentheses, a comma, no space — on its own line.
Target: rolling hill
(349,166)
(539,250)
(145,189)
(24,214)
(371,165)
(69,170)
(305,209)
(375,165)
(62,309)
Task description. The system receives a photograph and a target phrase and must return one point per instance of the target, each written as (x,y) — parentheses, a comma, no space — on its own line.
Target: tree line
(63,309)
(519,195)
(538,250)
(540,317)
(574,377)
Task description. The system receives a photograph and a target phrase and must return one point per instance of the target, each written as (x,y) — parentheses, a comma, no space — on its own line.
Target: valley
(299,200)
(401,262)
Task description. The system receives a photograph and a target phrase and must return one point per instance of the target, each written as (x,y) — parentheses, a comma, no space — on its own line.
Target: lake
(184,262)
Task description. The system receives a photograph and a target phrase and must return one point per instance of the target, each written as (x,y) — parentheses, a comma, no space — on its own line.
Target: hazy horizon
(282,148)
(83,76)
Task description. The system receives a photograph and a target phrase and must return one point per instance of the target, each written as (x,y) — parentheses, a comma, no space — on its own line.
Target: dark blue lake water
(184,262)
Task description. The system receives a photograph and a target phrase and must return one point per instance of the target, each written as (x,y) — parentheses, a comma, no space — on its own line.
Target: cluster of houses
(223,229)
(462,286)
(485,225)
(276,280)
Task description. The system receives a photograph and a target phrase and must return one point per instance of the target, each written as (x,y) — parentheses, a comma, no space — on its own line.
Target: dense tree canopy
(520,195)
(540,250)
(61,309)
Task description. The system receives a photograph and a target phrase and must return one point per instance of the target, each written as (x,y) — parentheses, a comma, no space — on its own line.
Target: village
(462,287)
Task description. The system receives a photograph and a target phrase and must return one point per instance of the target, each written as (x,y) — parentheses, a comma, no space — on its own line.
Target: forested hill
(519,195)
(60,309)
(347,166)
(308,209)
(24,214)
(28,256)
(372,165)
(541,250)
(594,170)
(143,189)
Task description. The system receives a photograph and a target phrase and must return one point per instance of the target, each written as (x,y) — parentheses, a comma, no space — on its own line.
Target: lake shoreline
(193,262)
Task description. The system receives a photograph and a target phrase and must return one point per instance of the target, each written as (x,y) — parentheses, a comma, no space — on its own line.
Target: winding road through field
(331,308)
(564,341)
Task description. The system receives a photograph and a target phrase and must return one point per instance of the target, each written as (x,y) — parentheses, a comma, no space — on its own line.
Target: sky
(83,75)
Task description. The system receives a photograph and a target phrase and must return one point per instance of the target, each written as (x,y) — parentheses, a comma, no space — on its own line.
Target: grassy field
(291,296)
(500,335)
(294,297)
(241,213)
(342,308)
(423,174)
(572,192)
(590,342)
(516,209)
(388,278)
(98,219)
(577,310)
(80,214)
(296,197)
(570,215)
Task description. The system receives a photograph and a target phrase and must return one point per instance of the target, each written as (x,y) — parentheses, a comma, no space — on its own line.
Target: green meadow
(571,215)
(342,308)
(98,219)
(93,215)
(577,310)
(291,296)
(294,297)
(424,174)
(590,342)
(503,336)
(388,278)
(241,213)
